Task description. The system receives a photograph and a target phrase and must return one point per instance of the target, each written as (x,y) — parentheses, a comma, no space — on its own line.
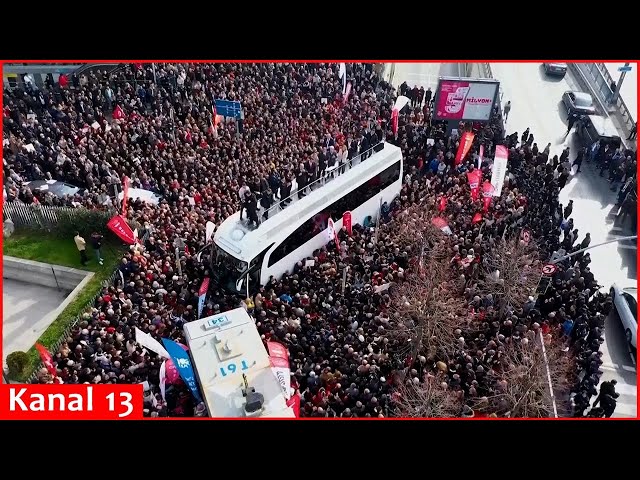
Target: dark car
(55,187)
(556,69)
(592,128)
(578,102)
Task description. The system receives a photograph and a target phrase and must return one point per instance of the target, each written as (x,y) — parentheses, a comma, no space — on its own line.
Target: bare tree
(511,272)
(428,399)
(520,383)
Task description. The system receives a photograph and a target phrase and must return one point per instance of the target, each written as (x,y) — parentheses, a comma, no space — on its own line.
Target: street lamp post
(561,259)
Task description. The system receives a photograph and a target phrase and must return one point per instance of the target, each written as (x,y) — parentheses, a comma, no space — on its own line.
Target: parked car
(592,128)
(578,102)
(55,187)
(556,69)
(626,302)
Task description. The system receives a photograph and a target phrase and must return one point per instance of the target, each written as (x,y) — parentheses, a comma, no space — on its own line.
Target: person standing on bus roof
(301,179)
(266,200)
(252,210)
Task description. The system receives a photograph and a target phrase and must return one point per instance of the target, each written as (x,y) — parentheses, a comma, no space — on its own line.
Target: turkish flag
(121,228)
(443,204)
(346,222)
(118,113)
(47,359)
(476,218)
(394,121)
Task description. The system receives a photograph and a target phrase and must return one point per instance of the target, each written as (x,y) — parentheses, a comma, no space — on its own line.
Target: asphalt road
(27,311)
(535,100)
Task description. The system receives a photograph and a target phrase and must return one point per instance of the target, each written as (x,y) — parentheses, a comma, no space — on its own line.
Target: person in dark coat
(420,96)
(266,200)
(414,96)
(568,209)
(607,397)
(578,160)
(96,243)
(285,192)
(427,96)
(252,209)
(573,118)
(302,179)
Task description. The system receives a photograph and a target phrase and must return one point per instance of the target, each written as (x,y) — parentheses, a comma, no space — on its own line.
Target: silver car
(578,102)
(626,302)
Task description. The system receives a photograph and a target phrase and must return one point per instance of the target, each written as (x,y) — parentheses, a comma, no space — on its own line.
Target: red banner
(465,145)
(474,178)
(476,218)
(394,121)
(346,221)
(442,205)
(125,196)
(120,227)
(294,402)
(47,359)
(204,287)
(277,350)
(487,195)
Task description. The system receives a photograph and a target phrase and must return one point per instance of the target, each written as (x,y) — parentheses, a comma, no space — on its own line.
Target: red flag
(474,178)
(118,113)
(204,288)
(465,145)
(186,249)
(394,121)
(35,200)
(63,80)
(443,204)
(346,221)
(125,195)
(476,218)
(47,359)
(120,227)
(294,402)
(487,195)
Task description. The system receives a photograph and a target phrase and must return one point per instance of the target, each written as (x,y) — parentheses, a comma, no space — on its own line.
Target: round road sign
(549,269)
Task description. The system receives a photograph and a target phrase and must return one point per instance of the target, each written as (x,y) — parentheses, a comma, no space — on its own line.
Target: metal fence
(54,348)
(600,81)
(35,215)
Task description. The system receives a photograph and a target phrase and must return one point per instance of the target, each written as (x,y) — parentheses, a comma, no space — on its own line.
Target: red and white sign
(487,195)
(474,183)
(525,235)
(465,145)
(465,100)
(71,402)
(499,169)
(204,287)
(480,155)
(119,226)
(346,222)
(549,269)
(279,358)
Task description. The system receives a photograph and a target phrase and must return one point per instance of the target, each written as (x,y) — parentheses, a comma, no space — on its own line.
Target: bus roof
(236,238)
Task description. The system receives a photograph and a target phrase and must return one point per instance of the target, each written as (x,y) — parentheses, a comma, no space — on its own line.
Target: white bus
(245,258)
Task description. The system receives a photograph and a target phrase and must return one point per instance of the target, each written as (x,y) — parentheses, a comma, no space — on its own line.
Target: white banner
(499,169)
(163,379)
(401,101)
(209,231)
(342,73)
(280,368)
(146,340)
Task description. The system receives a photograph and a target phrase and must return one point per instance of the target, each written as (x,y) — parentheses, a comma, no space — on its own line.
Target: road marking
(615,366)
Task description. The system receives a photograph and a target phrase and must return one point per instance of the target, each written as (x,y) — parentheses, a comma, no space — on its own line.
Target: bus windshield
(229,271)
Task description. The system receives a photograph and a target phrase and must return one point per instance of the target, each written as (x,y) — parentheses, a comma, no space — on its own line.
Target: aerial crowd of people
(156,125)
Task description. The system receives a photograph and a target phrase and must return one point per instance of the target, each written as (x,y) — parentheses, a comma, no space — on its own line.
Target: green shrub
(17,362)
